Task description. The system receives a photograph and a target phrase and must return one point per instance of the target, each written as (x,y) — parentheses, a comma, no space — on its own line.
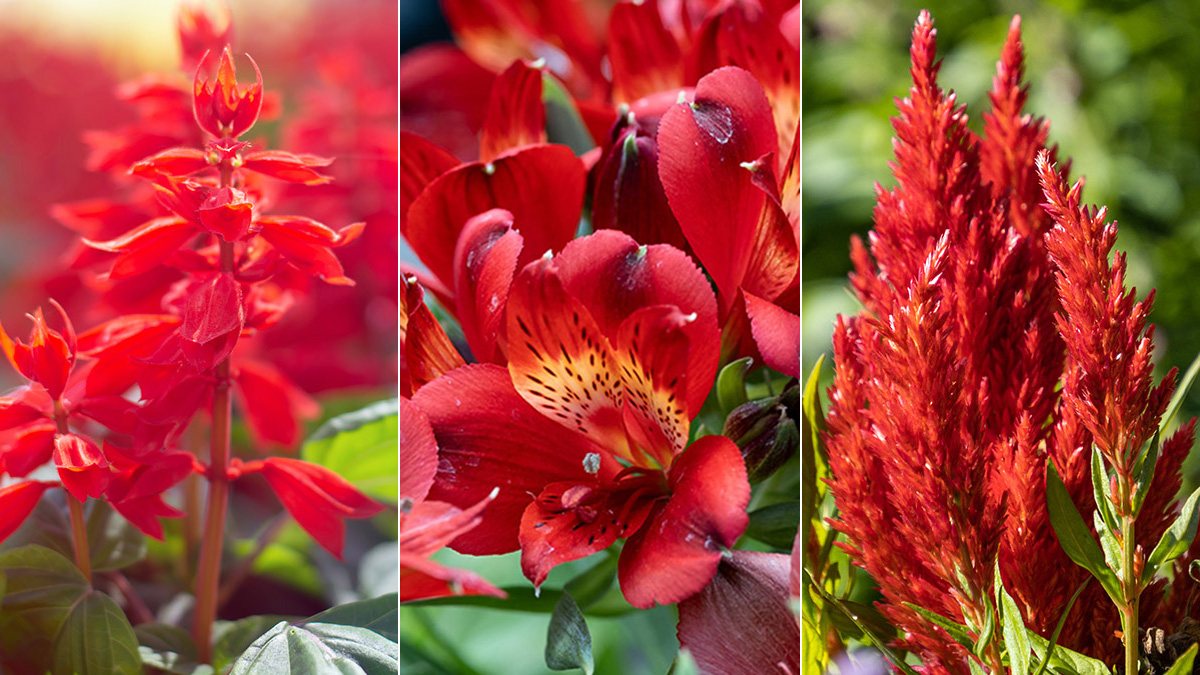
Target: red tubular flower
(221,107)
(603,366)
(317,498)
(82,466)
(17,502)
(49,356)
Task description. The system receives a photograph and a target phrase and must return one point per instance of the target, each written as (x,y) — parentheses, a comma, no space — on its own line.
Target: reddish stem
(83,558)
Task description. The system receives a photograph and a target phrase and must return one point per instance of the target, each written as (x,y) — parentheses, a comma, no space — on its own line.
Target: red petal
(286,166)
(516,115)
(740,623)
(676,554)
(425,351)
(651,352)
(14,413)
(145,512)
(491,33)
(418,453)
(489,437)
(82,466)
(701,148)
(613,277)
(145,246)
(443,96)
(275,408)
(421,579)
(17,502)
(777,333)
(485,261)
(628,195)
(305,243)
(173,162)
(743,34)
(227,212)
(429,526)
(420,163)
(560,361)
(212,321)
(645,57)
(318,499)
(27,448)
(542,186)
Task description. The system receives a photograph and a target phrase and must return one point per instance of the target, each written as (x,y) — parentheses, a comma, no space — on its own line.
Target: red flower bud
(48,357)
(221,107)
(82,466)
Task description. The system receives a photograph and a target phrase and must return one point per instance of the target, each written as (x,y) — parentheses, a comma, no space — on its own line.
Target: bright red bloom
(82,466)
(604,369)
(49,356)
(222,108)
(17,502)
(317,498)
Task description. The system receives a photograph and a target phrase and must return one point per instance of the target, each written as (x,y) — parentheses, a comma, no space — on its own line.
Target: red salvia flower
(49,356)
(222,108)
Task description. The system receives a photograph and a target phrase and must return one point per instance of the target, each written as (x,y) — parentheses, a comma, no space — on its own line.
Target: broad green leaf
(113,542)
(1176,539)
(1047,651)
(231,638)
(731,384)
(422,645)
(816,658)
(593,583)
(1183,665)
(1181,392)
(96,639)
(168,648)
(1073,535)
(1066,660)
(41,588)
(568,642)
(1016,640)
(1100,490)
(563,123)
(775,525)
(319,648)
(378,614)
(362,447)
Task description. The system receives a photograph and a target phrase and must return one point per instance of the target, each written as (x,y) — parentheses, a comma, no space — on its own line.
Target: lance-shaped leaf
(1073,533)
(1104,505)
(1176,539)
(1183,664)
(1016,638)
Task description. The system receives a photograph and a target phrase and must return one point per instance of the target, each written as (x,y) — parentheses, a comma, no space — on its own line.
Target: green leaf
(379,571)
(168,648)
(1183,664)
(378,614)
(1149,460)
(113,542)
(775,525)
(563,123)
(231,638)
(1176,539)
(1108,544)
(593,583)
(1181,392)
(362,447)
(1073,535)
(957,631)
(319,648)
(1066,660)
(41,589)
(731,384)
(879,643)
(1048,649)
(1100,491)
(96,639)
(568,642)
(1016,639)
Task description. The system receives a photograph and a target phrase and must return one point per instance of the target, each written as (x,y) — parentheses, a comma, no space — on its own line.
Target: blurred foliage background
(1118,82)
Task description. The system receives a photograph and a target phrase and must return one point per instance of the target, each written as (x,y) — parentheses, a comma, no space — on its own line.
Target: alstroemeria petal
(425,351)
(485,261)
(541,185)
(777,333)
(701,149)
(569,521)
(429,526)
(740,623)
(613,277)
(420,163)
(421,579)
(675,554)
(17,502)
(628,195)
(560,361)
(645,57)
(489,437)
(651,351)
(318,499)
(418,453)
(516,115)
(443,98)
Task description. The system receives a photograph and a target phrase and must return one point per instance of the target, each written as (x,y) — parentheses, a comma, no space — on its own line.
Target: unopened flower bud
(767,430)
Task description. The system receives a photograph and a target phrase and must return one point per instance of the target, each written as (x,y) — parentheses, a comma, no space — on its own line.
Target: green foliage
(362,447)
(568,642)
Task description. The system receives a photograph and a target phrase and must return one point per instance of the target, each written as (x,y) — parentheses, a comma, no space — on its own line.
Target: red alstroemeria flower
(427,526)
(222,108)
(605,370)
(317,498)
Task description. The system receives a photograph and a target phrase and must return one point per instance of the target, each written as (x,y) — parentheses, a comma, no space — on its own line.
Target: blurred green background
(1119,82)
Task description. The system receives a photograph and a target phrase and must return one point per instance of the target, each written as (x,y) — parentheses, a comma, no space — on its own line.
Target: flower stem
(208,570)
(83,557)
(1129,612)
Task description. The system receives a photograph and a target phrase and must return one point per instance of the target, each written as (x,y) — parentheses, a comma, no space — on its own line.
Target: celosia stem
(1129,612)
(208,571)
(83,558)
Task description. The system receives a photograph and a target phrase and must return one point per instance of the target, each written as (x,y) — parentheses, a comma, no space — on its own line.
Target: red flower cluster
(946,405)
(572,429)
